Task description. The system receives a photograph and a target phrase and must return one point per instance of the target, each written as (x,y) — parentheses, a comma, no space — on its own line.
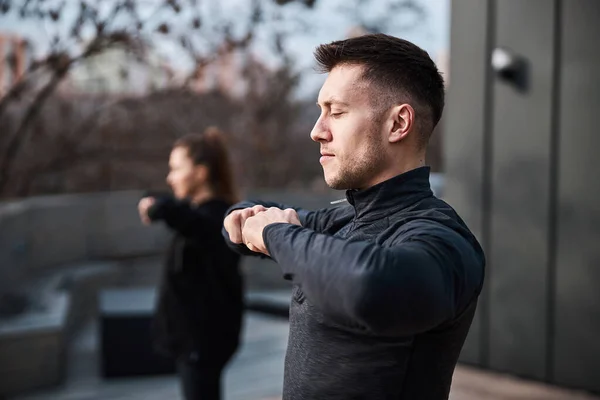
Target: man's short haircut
(401,70)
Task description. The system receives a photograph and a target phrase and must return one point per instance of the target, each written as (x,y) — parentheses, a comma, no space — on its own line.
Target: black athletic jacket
(199,310)
(384,293)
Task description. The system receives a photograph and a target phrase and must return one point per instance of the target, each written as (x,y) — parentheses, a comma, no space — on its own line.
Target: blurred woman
(199,311)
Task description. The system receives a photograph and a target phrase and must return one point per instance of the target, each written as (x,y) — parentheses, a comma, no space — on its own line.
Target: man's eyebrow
(332,100)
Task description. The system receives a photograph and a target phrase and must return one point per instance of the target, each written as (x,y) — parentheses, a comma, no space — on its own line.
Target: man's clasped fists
(246,225)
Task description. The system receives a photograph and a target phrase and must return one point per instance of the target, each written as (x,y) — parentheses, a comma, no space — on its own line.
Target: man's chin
(335,183)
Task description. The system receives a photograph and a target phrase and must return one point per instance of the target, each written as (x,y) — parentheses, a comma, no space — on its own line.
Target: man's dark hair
(397,67)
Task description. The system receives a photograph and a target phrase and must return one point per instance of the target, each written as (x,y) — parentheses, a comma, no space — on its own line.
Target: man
(385,288)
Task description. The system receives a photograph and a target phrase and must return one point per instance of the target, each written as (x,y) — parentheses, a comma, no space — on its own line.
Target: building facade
(521,167)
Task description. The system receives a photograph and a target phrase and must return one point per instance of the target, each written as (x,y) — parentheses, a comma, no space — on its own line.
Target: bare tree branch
(267,125)
(20,136)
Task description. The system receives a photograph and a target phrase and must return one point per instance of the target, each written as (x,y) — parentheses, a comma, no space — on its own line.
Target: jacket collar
(396,193)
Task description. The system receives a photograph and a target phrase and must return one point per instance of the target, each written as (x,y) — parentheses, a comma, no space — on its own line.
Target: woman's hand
(143,207)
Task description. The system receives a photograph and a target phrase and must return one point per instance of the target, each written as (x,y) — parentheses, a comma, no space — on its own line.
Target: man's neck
(395,170)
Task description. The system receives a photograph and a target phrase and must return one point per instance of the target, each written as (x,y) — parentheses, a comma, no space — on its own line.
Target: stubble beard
(356,171)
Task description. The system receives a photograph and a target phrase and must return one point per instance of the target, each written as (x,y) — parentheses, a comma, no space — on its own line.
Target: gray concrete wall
(41,233)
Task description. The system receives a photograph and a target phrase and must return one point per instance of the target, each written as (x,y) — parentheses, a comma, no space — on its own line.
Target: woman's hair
(210,149)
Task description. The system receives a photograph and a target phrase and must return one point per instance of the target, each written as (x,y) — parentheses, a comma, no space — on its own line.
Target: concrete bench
(126,347)
(32,343)
(32,347)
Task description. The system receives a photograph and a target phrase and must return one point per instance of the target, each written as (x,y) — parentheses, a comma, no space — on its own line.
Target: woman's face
(185,178)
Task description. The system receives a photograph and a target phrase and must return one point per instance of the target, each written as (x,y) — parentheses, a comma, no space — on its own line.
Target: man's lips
(325,157)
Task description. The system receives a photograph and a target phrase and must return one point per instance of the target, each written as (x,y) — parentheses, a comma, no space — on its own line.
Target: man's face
(350,130)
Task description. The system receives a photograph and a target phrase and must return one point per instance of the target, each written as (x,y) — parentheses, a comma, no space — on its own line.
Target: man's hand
(252,230)
(235,221)
(143,207)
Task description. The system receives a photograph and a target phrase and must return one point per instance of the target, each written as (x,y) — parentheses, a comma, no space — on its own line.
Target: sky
(328,20)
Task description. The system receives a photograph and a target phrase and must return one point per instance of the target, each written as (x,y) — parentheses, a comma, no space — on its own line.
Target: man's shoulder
(443,236)
(430,213)
(423,223)
(433,217)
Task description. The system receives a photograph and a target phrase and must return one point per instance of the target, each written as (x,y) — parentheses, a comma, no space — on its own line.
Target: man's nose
(320,132)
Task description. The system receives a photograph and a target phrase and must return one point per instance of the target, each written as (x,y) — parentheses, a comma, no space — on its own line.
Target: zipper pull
(338,201)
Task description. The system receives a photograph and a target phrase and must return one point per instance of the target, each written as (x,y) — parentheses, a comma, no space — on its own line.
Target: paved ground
(257,373)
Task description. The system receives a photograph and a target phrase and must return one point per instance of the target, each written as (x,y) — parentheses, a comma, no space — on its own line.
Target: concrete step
(32,343)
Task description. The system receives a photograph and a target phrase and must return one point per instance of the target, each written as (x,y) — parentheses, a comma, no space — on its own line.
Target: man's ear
(403,118)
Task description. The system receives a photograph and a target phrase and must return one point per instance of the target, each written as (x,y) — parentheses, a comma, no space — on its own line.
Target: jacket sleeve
(405,289)
(326,219)
(182,216)
(315,220)
(319,220)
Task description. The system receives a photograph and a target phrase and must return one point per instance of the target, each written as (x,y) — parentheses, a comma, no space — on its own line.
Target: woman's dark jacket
(200,303)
